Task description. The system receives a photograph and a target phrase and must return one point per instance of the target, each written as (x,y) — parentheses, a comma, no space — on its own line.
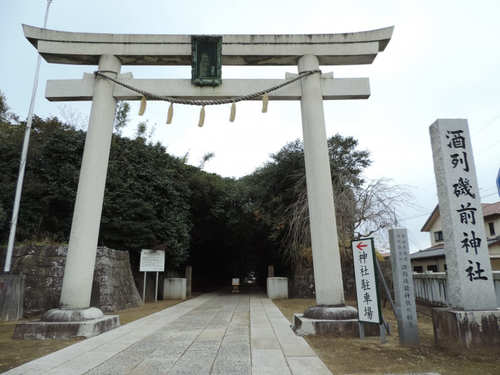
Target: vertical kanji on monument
(470,281)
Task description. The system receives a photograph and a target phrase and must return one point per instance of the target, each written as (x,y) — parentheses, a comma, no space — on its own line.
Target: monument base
(67,323)
(465,329)
(339,321)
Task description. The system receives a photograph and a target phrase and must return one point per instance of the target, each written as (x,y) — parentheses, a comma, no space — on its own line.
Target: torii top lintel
(142,49)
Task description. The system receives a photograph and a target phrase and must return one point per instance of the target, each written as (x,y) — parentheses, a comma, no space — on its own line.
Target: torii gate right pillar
(326,256)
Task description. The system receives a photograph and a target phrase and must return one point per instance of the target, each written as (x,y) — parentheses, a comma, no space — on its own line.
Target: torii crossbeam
(111,51)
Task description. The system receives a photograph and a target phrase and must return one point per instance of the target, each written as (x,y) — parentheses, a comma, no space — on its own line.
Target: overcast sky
(442,62)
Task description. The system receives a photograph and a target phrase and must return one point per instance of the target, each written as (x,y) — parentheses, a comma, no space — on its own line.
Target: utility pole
(24,154)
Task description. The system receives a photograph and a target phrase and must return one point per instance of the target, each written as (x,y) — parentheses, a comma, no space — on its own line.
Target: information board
(366,284)
(152,261)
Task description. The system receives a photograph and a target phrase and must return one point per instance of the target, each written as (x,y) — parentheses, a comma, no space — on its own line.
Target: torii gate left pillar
(77,282)
(111,51)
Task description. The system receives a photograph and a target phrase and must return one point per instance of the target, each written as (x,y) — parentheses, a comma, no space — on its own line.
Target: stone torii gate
(111,51)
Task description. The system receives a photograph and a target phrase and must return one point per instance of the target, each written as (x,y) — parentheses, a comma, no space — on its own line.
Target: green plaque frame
(206,60)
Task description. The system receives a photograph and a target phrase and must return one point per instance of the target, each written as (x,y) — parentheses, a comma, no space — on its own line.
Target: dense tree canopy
(222,226)
(146,198)
(279,190)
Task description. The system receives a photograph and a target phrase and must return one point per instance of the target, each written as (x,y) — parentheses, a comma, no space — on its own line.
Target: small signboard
(152,261)
(366,283)
(236,285)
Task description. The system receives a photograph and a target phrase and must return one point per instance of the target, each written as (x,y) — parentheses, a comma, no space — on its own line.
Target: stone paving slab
(212,334)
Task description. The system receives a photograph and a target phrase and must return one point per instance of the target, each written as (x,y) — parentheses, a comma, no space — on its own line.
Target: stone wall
(43,266)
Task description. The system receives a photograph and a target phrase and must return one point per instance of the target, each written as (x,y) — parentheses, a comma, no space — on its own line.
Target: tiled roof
(432,217)
(438,250)
(428,253)
(491,209)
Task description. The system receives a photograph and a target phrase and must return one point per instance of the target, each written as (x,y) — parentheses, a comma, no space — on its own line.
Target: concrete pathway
(210,334)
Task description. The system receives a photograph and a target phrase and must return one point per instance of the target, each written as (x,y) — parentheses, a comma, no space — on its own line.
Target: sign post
(151,261)
(366,285)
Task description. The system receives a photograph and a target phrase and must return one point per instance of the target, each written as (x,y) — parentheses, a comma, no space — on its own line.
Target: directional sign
(366,284)
(361,245)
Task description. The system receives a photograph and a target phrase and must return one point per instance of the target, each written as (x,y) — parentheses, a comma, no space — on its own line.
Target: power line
(414,217)
(489,123)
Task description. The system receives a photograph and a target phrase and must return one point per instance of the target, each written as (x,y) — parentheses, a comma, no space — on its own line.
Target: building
(433,259)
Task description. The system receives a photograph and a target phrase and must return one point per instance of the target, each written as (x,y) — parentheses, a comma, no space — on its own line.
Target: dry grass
(369,356)
(14,353)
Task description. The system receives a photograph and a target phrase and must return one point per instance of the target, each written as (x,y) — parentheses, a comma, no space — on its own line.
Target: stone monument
(111,51)
(404,292)
(12,297)
(472,318)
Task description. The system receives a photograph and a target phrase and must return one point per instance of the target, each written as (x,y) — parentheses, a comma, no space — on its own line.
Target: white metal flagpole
(24,153)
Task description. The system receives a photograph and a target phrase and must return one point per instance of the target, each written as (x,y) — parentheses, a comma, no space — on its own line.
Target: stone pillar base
(277,287)
(465,329)
(67,323)
(64,330)
(339,321)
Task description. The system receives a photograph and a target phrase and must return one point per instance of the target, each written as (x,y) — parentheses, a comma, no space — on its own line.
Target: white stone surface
(470,280)
(307,327)
(382,35)
(211,334)
(277,287)
(72,315)
(82,89)
(109,343)
(174,288)
(137,49)
(308,365)
(326,256)
(80,261)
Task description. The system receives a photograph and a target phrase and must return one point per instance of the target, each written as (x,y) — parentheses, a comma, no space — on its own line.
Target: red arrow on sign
(360,246)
